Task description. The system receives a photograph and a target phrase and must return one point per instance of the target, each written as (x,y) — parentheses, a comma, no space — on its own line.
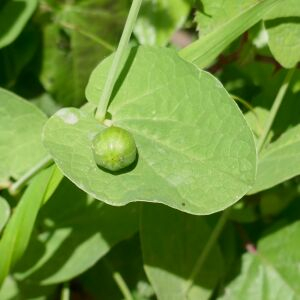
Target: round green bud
(114,149)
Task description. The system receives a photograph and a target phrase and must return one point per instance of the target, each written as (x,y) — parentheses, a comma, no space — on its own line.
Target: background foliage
(197,88)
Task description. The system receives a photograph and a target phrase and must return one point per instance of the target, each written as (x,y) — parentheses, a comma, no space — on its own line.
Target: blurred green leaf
(15,57)
(212,15)
(4,213)
(256,119)
(89,226)
(172,243)
(279,161)
(9,289)
(243,212)
(287,115)
(46,104)
(13,17)
(21,126)
(126,259)
(16,235)
(208,139)
(276,200)
(82,35)
(271,273)
(14,290)
(158,20)
(283,26)
(203,51)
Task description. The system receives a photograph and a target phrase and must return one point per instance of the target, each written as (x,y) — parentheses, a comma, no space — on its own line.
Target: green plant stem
(65,292)
(207,249)
(119,281)
(244,102)
(15,187)
(275,107)
(112,75)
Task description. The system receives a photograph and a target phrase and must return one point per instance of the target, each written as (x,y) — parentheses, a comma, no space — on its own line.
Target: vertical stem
(65,292)
(275,107)
(207,249)
(112,75)
(119,280)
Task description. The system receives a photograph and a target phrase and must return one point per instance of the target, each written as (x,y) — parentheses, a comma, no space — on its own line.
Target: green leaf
(287,115)
(172,243)
(18,230)
(89,226)
(279,161)
(13,17)
(9,289)
(46,104)
(276,200)
(21,126)
(14,290)
(4,212)
(126,259)
(17,55)
(213,15)
(84,34)
(273,272)
(158,20)
(194,145)
(207,48)
(243,212)
(283,26)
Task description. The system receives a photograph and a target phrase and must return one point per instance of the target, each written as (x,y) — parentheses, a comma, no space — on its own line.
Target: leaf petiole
(207,249)
(120,282)
(15,187)
(112,74)
(275,107)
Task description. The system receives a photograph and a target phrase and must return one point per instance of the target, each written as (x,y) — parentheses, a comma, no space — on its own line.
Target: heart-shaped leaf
(196,152)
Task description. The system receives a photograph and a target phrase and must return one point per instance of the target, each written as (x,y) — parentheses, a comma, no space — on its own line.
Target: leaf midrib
(191,157)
